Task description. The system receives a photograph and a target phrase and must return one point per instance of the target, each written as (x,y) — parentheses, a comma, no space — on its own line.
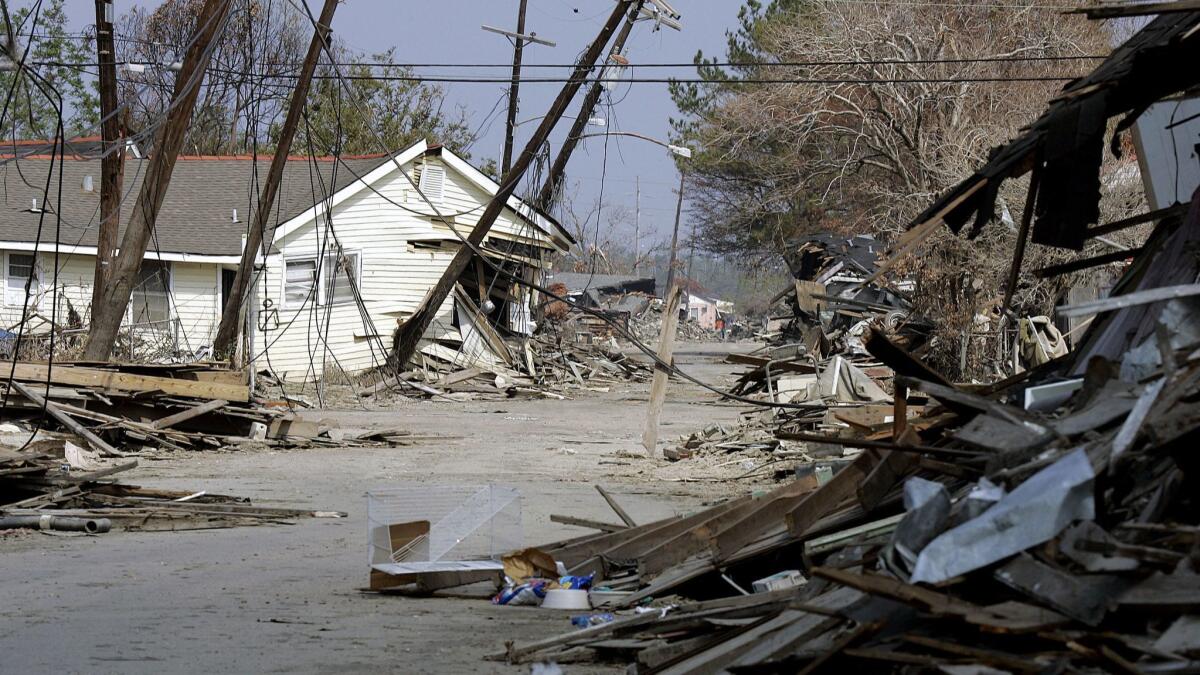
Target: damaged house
(355,250)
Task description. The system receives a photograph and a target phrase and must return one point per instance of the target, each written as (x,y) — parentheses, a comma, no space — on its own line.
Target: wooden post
(558,170)
(658,389)
(900,412)
(258,237)
(106,321)
(513,90)
(1022,237)
(409,334)
(112,163)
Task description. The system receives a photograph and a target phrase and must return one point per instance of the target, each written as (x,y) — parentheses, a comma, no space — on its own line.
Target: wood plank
(658,389)
(584,522)
(844,485)
(190,413)
(625,517)
(107,379)
(67,421)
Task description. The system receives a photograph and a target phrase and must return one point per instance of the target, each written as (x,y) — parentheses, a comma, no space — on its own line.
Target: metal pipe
(57,523)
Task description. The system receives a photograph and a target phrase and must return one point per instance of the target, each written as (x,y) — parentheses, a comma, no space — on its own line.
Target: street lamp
(680,151)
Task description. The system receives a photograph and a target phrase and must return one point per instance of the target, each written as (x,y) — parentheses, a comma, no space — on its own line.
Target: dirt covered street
(286,598)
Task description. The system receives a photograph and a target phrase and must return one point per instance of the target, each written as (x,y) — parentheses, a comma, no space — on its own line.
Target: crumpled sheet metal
(1033,513)
(928,505)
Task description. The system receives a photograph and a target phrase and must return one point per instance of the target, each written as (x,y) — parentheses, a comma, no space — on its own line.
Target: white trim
(350,190)
(491,187)
(67,249)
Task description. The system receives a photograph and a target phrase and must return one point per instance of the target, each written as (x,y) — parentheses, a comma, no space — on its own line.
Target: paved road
(285,598)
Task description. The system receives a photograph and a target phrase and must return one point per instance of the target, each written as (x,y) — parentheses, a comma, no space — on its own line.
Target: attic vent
(88,185)
(432,181)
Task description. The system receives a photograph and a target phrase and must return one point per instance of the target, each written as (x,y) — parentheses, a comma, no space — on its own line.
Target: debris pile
(1012,527)
(647,327)
(116,409)
(47,482)
(842,395)
(1047,522)
(835,294)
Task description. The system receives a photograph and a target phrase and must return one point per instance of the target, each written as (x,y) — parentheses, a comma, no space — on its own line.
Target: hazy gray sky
(448,31)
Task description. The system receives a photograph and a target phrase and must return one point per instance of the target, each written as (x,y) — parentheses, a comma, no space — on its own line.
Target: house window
(151,302)
(19,268)
(338,276)
(299,282)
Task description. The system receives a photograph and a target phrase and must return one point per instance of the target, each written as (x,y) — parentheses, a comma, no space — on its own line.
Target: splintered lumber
(658,390)
(109,379)
(67,421)
(899,360)
(185,415)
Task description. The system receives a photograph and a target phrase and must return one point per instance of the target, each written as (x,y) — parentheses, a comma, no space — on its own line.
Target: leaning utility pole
(258,237)
(409,334)
(558,170)
(112,162)
(675,233)
(513,89)
(106,318)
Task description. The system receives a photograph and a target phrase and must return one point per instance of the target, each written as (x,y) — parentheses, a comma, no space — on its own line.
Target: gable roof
(197,213)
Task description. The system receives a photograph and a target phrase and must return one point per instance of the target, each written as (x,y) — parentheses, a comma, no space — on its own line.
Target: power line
(671,80)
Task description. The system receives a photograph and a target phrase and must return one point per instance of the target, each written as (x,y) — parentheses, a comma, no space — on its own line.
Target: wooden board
(108,379)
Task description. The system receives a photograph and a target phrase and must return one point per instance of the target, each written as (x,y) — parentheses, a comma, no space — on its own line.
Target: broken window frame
(328,279)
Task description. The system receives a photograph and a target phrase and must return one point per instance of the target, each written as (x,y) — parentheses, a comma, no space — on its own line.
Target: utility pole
(558,170)
(637,220)
(118,288)
(675,234)
(112,163)
(409,334)
(257,237)
(511,129)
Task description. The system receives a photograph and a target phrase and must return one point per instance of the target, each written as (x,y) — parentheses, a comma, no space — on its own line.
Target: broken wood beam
(1085,263)
(585,522)
(67,421)
(190,413)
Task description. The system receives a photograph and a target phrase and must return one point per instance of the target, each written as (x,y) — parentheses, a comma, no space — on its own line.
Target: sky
(448,31)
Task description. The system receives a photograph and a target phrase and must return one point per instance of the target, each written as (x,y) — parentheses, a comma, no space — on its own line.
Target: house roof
(575,281)
(197,213)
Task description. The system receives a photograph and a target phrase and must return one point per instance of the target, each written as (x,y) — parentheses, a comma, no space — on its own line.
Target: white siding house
(346,265)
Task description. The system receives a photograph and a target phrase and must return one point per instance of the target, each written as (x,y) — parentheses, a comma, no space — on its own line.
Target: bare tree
(886,104)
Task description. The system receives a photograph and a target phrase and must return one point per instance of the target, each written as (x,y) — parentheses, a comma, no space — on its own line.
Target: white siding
(396,275)
(194,296)
(195,291)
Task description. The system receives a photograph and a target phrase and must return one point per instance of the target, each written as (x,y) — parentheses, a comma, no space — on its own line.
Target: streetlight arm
(676,149)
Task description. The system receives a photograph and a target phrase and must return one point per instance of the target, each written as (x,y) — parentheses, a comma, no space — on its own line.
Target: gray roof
(577,281)
(196,216)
